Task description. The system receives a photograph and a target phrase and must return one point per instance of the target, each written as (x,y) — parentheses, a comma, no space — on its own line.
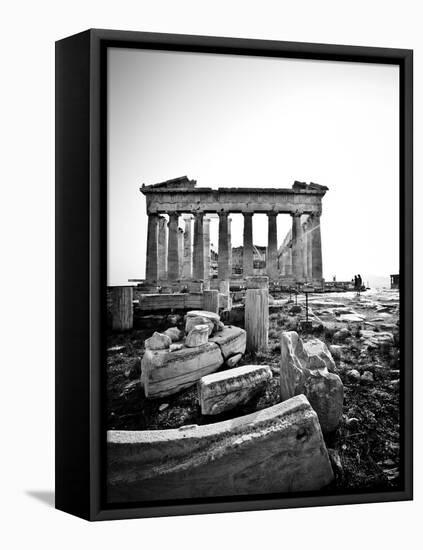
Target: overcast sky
(235,121)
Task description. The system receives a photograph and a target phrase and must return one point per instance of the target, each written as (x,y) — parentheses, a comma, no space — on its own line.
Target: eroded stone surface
(307,373)
(165,373)
(193,321)
(319,355)
(231,340)
(197,336)
(325,392)
(278,449)
(174,334)
(294,363)
(223,391)
(158,341)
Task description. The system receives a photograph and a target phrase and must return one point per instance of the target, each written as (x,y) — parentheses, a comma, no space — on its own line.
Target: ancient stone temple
(174,253)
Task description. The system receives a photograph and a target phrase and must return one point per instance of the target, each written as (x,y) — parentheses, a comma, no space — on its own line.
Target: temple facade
(175,253)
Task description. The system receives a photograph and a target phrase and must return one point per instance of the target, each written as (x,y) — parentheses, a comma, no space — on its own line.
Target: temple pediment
(182,182)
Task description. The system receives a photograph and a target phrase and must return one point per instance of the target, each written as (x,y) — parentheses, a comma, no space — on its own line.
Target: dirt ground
(365,450)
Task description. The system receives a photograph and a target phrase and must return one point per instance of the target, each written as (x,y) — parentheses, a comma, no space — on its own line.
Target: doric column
(297,248)
(151,264)
(289,262)
(198,257)
(309,249)
(162,249)
(206,230)
(223,263)
(305,250)
(272,246)
(173,248)
(316,248)
(187,258)
(180,250)
(248,251)
(230,246)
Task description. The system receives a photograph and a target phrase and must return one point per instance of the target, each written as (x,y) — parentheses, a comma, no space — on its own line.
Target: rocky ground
(364,335)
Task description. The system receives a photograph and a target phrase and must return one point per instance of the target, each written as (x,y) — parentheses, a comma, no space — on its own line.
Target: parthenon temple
(175,254)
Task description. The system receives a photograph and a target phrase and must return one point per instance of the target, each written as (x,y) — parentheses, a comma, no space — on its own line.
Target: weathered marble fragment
(210,315)
(223,391)
(165,373)
(325,393)
(191,322)
(231,340)
(197,336)
(293,366)
(302,373)
(174,334)
(319,355)
(158,341)
(278,449)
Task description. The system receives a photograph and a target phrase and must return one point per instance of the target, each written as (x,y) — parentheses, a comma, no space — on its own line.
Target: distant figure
(360,282)
(355,282)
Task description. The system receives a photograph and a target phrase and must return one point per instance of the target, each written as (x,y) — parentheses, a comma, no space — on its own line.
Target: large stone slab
(166,372)
(278,449)
(223,391)
(304,373)
(231,340)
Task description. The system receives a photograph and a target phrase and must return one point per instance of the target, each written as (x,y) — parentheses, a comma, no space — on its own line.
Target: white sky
(235,121)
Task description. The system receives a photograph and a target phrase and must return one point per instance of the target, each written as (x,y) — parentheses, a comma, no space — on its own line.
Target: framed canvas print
(234,274)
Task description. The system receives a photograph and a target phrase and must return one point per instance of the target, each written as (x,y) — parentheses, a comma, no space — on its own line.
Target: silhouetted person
(360,281)
(355,281)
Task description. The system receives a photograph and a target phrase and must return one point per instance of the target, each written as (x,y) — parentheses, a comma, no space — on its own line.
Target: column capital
(272,214)
(246,214)
(297,213)
(223,214)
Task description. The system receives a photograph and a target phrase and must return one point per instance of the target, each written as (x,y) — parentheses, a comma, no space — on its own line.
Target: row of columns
(171,256)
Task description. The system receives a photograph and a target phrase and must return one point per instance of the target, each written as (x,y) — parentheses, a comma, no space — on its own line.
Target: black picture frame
(81,265)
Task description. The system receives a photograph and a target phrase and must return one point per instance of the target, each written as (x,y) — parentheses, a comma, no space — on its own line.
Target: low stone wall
(276,450)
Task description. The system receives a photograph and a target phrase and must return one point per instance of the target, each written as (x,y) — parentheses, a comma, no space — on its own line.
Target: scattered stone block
(197,336)
(209,316)
(352,318)
(174,334)
(165,373)
(158,341)
(354,375)
(367,377)
(302,372)
(325,393)
(336,351)
(234,360)
(223,391)
(276,450)
(191,322)
(293,366)
(231,341)
(319,355)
